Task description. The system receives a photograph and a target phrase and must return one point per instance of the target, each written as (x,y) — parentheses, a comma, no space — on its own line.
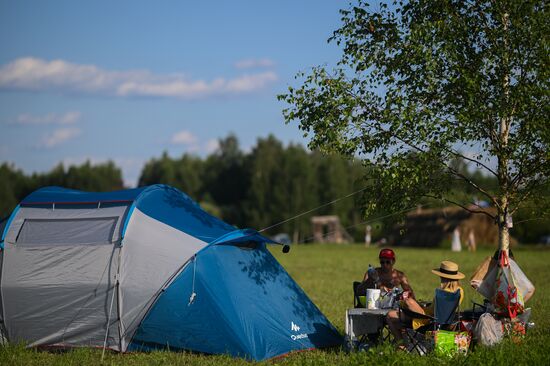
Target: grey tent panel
(88,231)
(60,295)
(48,213)
(152,253)
(59,277)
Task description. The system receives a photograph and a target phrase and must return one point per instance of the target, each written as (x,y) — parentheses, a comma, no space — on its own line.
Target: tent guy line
(313,209)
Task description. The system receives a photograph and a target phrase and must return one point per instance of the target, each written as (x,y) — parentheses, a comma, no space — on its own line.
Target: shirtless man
(388,277)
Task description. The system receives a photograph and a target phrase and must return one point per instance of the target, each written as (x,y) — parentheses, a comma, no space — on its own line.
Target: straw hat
(448,269)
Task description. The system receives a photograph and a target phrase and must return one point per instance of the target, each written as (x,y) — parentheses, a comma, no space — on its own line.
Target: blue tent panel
(65,195)
(246,305)
(161,202)
(173,207)
(243,235)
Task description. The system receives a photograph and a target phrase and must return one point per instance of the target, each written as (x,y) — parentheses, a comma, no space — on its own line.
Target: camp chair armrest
(415,315)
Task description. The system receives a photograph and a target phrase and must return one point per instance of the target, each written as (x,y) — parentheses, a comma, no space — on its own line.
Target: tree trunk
(505,122)
(503,233)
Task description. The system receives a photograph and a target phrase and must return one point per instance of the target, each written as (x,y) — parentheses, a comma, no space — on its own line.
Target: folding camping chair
(363,339)
(446,317)
(476,311)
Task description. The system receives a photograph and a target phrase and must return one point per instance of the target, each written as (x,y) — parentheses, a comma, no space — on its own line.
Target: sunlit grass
(326,273)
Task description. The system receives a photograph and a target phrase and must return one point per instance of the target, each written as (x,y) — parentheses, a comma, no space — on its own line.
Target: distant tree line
(257,189)
(265,186)
(15,185)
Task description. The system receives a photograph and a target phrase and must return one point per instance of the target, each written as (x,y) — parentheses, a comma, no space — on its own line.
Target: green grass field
(326,272)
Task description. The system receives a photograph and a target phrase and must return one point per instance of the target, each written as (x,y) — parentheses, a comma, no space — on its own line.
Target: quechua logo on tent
(295,328)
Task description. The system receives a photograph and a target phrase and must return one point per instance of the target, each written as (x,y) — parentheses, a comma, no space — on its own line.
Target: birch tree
(423,83)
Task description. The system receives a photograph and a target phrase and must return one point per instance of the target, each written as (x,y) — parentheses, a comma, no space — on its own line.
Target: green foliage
(185,173)
(269,185)
(15,185)
(336,176)
(225,180)
(532,222)
(268,196)
(422,84)
(301,182)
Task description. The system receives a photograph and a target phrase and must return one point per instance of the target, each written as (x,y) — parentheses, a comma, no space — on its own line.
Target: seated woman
(449,276)
(388,277)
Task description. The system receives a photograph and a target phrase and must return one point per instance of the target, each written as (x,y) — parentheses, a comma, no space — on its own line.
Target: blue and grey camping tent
(145,269)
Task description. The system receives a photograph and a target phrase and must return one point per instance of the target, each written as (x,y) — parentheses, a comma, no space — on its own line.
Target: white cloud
(249,83)
(34,74)
(187,139)
(60,136)
(51,118)
(184,138)
(211,146)
(254,63)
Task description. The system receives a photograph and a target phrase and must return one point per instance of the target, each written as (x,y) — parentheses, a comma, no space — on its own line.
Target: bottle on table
(373,275)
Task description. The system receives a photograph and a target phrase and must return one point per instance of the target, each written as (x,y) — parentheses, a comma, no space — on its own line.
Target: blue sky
(127,80)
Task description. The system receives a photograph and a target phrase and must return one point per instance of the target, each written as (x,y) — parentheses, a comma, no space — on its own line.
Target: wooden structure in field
(429,227)
(328,229)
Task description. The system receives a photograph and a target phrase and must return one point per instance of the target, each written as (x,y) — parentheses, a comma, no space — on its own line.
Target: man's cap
(387,253)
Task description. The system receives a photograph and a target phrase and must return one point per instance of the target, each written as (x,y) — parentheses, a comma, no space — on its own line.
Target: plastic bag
(386,299)
(484,276)
(488,330)
(508,301)
(524,286)
(486,286)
